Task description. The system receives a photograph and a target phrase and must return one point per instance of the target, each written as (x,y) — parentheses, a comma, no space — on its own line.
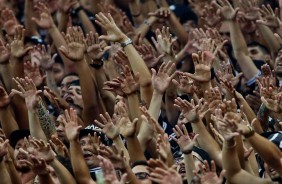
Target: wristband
(250,133)
(126,42)
(97,65)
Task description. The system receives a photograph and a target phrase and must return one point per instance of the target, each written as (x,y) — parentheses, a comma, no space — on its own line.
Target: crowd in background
(140,91)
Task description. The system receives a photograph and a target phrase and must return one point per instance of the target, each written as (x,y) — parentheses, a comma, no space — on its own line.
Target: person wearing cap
(17,142)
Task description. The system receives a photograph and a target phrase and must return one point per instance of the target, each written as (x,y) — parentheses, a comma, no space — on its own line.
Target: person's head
(87,147)
(139,168)
(58,69)
(258,51)
(278,64)
(17,141)
(60,128)
(67,81)
(224,31)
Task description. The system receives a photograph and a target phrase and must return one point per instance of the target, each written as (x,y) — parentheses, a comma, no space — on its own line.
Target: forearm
(134,149)
(172,113)
(134,112)
(8,122)
(45,179)
(212,148)
(88,91)
(85,21)
(178,29)
(108,97)
(34,126)
(6,75)
(121,147)
(14,176)
(63,23)
(189,167)
(241,52)
(4,175)
(269,37)
(28,23)
(79,166)
(267,150)
(146,25)
(62,173)
(155,105)
(46,123)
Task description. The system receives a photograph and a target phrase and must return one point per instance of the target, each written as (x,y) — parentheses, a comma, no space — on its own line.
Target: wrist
(186,152)
(250,132)
(230,143)
(123,38)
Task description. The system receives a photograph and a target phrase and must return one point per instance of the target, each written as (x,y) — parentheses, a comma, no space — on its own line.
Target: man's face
(87,147)
(58,72)
(65,84)
(60,128)
(224,31)
(142,174)
(73,96)
(278,63)
(18,156)
(181,120)
(256,53)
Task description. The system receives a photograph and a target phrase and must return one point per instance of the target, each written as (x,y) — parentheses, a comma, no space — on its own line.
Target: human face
(65,84)
(73,96)
(256,53)
(278,63)
(142,174)
(181,164)
(60,128)
(224,31)
(181,120)
(18,156)
(58,72)
(87,147)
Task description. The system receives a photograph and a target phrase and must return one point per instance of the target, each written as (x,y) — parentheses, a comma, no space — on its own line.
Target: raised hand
(4,53)
(108,127)
(46,62)
(109,172)
(72,128)
(225,128)
(161,80)
(269,17)
(127,128)
(28,91)
(165,176)
(267,72)
(203,67)
(228,106)
(37,165)
(107,22)
(120,58)
(208,174)
(18,49)
(75,44)
(183,140)
(40,150)
(4,144)
(210,16)
(190,111)
(251,9)
(164,41)
(46,20)
(112,153)
(213,97)
(59,147)
(4,98)
(66,5)
(225,72)
(163,146)
(225,9)
(237,123)
(185,84)
(94,47)
(162,13)
(126,84)
(32,71)
(9,21)
(148,55)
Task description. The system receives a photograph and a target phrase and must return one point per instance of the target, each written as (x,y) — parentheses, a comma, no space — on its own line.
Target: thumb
(15,92)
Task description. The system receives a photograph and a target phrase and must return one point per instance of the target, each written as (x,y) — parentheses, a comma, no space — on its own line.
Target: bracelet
(250,133)
(96,65)
(126,42)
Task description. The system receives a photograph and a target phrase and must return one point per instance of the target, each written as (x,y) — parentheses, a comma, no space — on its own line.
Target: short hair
(139,162)
(257,44)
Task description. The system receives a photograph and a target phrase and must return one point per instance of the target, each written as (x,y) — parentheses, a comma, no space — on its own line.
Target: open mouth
(87,155)
(21,157)
(69,100)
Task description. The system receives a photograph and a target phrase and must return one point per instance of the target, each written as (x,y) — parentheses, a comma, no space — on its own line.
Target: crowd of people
(140,91)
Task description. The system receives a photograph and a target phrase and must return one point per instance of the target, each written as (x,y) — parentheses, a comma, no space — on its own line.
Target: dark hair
(139,162)
(59,60)
(257,44)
